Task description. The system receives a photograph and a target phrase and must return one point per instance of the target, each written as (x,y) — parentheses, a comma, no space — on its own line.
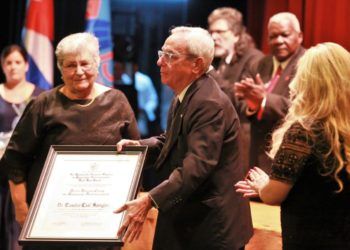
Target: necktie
(176,107)
(169,134)
(274,79)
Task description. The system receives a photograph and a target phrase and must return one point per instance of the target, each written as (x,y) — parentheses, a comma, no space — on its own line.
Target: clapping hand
(253,92)
(256,180)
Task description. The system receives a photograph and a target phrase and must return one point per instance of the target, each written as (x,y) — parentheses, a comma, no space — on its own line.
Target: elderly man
(266,93)
(196,159)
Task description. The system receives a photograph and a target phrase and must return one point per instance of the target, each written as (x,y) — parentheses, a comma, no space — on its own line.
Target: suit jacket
(240,65)
(197,166)
(277,104)
(238,69)
(223,85)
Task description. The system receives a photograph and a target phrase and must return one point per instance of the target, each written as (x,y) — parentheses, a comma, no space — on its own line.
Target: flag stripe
(41,58)
(36,75)
(38,35)
(44,9)
(98,21)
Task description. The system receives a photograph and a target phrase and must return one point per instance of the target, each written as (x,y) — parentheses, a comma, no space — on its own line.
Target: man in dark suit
(266,94)
(235,53)
(196,159)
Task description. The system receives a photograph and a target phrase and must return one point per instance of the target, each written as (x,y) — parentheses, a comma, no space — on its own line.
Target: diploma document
(79,189)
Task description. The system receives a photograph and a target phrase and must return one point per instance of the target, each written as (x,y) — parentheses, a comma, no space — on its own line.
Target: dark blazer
(223,85)
(240,65)
(238,69)
(277,104)
(197,166)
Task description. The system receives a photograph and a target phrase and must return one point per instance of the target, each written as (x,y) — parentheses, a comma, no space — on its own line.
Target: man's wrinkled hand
(124,142)
(136,213)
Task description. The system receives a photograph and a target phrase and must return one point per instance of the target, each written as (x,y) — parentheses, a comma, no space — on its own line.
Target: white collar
(276,63)
(183,92)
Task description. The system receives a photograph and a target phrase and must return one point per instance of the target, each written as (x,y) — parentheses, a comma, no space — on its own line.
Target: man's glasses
(219,32)
(168,56)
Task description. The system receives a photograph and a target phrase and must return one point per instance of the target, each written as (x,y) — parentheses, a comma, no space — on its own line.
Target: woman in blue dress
(15,93)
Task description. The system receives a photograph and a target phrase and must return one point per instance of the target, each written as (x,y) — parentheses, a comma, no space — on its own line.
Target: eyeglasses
(219,32)
(168,56)
(73,67)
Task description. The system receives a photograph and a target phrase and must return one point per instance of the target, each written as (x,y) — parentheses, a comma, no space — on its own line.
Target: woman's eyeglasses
(73,67)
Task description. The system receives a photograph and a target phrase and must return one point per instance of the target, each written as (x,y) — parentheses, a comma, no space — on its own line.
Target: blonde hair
(320,92)
(76,43)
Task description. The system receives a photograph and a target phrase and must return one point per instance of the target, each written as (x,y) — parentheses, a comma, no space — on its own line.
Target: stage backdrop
(320,20)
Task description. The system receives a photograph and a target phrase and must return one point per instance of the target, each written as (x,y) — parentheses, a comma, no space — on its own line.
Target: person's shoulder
(115,94)
(266,59)
(46,97)
(297,126)
(254,52)
(209,92)
(299,133)
(100,88)
(37,90)
(44,94)
(298,53)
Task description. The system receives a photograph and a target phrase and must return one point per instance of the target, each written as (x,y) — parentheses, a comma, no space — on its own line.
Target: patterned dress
(314,215)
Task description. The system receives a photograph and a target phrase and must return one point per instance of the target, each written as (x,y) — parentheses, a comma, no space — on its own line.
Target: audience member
(196,158)
(233,44)
(266,94)
(147,98)
(311,150)
(236,54)
(78,112)
(15,93)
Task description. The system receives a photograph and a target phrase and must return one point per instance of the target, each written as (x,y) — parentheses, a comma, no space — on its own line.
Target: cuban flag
(37,36)
(98,22)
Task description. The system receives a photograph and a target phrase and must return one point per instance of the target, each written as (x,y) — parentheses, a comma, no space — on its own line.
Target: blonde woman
(311,150)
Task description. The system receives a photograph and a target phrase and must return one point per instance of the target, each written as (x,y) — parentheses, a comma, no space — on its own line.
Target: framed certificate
(78,190)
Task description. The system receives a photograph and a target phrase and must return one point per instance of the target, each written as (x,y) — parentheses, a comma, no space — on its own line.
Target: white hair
(76,43)
(283,16)
(198,42)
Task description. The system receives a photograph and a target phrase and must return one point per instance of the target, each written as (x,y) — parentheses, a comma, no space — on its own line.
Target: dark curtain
(69,18)
(327,21)
(320,20)
(12,12)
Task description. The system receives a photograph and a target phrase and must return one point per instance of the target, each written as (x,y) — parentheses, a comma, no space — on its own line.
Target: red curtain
(320,20)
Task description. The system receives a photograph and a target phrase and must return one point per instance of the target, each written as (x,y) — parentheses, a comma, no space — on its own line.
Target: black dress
(54,119)
(314,215)
(9,229)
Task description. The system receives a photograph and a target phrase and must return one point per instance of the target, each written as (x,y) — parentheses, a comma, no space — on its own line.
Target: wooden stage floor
(266,222)
(267,227)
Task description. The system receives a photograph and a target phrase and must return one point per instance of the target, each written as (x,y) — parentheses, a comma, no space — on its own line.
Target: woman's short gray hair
(76,43)
(199,42)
